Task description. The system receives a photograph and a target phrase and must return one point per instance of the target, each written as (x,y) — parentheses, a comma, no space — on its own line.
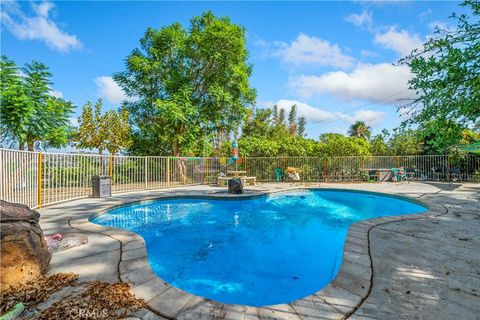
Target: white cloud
(266,104)
(315,115)
(365,19)
(425,13)
(109,89)
(312,51)
(56,93)
(400,41)
(370,117)
(367,53)
(37,27)
(311,114)
(366,81)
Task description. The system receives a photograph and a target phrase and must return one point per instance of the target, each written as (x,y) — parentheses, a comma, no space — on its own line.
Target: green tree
(335,144)
(29,112)
(258,123)
(406,142)
(360,130)
(188,84)
(280,129)
(15,110)
(292,120)
(446,79)
(275,113)
(301,127)
(109,131)
(379,144)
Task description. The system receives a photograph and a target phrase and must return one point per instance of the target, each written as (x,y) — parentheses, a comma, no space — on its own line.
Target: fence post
(110,166)
(146,173)
(206,170)
(168,172)
(40,182)
(325,170)
(448,168)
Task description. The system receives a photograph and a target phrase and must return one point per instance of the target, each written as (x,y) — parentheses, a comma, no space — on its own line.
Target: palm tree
(360,130)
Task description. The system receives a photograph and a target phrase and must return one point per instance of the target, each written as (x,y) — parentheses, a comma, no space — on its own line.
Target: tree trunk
(176,148)
(21,145)
(180,164)
(30,145)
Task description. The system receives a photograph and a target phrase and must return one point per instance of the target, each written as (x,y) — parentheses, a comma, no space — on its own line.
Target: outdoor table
(384,174)
(236,173)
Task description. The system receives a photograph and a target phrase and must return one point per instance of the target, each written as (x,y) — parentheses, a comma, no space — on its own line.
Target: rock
(24,254)
(235,186)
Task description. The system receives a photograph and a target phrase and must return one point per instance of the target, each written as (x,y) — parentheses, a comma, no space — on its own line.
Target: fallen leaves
(99,300)
(34,292)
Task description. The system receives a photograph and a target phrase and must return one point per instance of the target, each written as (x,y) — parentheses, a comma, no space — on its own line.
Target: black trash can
(101,187)
(235,186)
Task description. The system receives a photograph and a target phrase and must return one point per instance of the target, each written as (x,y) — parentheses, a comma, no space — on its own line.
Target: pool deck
(423,266)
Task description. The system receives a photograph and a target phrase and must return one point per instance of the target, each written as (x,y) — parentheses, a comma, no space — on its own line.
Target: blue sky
(332,59)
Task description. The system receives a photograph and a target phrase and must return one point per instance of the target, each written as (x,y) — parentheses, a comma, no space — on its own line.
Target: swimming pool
(259,251)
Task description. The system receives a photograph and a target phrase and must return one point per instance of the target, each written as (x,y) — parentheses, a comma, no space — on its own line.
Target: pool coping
(339,299)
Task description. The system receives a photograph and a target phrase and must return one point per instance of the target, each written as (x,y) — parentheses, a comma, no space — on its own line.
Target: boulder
(235,186)
(24,254)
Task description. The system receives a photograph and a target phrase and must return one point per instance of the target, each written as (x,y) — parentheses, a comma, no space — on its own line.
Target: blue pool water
(262,251)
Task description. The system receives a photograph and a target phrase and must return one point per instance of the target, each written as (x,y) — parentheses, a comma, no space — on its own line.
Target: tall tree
(109,131)
(188,83)
(275,113)
(360,130)
(446,77)
(292,120)
(301,127)
(281,118)
(259,124)
(91,131)
(29,112)
(15,110)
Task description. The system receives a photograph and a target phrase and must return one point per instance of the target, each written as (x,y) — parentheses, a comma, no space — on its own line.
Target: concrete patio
(409,267)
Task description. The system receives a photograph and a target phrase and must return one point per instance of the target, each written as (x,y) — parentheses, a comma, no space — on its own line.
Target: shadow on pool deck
(422,269)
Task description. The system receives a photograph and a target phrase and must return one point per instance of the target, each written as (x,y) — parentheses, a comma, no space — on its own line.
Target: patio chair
(280,174)
(411,173)
(398,174)
(454,174)
(373,175)
(438,173)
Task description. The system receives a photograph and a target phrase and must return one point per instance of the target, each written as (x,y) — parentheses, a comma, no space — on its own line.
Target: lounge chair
(399,174)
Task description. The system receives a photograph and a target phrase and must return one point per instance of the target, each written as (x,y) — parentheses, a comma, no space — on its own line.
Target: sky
(337,61)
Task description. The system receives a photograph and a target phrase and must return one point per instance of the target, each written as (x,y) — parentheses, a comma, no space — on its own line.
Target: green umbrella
(471,148)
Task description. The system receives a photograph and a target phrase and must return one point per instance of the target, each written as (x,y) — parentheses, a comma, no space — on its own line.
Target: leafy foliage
(301,126)
(29,112)
(188,84)
(335,144)
(110,131)
(360,130)
(446,80)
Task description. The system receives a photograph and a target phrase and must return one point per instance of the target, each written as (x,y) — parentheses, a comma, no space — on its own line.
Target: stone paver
(411,267)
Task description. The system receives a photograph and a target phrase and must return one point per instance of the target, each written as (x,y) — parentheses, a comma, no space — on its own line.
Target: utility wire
(387,100)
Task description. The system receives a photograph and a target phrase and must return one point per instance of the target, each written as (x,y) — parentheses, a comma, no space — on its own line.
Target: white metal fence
(36,179)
